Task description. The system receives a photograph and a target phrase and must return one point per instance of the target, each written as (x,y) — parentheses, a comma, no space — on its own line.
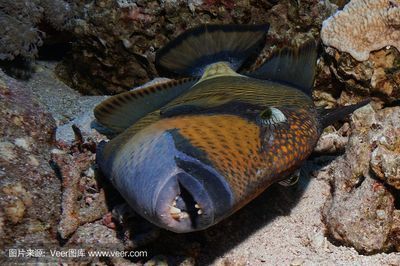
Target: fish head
(166,179)
(187,173)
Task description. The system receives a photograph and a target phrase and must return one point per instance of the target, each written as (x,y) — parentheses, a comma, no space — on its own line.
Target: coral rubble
(362,211)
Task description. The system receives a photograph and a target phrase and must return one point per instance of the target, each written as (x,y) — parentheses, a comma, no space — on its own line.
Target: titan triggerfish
(191,151)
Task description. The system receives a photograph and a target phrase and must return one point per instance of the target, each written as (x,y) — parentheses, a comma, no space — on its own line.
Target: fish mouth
(194,199)
(183,205)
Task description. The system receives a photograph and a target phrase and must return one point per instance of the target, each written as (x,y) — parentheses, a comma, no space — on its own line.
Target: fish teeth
(199,211)
(176,216)
(184,215)
(174,210)
(177,213)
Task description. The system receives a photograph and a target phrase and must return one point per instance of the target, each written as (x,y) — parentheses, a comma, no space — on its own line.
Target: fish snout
(184,205)
(170,187)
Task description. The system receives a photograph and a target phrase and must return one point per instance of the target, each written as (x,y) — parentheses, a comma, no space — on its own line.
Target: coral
(82,199)
(361,212)
(18,38)
(360,57)
(19,20)
(29,190)
(117,40)
(363,26)
(342,79)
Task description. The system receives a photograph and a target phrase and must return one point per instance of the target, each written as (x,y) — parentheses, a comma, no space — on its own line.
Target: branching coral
(18,38)
(19,34)
(364,26)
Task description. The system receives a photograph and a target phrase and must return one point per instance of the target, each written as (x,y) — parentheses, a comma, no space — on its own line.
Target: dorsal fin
(293,66)
(193,50)
(121,111)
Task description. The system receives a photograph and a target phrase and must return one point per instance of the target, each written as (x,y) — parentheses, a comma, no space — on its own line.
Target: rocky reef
(347,204)
(361,54)
(361,211)
(22,25)
(29,190)
(361,59)
(114,42)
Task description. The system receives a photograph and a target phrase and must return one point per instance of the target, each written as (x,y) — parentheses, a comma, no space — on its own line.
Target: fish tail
(330,116)
(191,52)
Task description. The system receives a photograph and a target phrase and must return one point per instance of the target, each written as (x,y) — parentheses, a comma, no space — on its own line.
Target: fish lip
(171,189)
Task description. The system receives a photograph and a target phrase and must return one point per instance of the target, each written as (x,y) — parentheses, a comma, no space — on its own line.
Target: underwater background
(59,59)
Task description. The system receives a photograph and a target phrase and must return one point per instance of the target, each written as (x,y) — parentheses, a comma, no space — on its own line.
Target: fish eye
(266,114)
(271,116)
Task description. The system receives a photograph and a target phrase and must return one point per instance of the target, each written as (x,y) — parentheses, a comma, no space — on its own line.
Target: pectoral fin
(292,180)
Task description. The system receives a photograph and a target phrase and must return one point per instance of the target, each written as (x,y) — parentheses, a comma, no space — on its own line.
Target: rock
(395,231)
(360,58)
(348,81)
(361,210)
(19,21)
(385,156)
(116,42)
(158,260)
(29,190)
(332,140)
(83,200)
(15,210)
(7,151)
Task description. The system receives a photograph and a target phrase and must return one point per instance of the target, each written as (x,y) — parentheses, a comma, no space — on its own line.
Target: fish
(190,152)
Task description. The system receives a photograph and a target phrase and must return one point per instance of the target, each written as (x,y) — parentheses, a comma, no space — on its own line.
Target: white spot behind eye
(276,117)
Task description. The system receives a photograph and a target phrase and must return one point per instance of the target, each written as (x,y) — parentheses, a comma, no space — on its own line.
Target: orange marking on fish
(233,146)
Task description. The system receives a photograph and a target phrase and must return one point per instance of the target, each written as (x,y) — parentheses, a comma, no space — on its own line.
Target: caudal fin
(192,51)
(330,116)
